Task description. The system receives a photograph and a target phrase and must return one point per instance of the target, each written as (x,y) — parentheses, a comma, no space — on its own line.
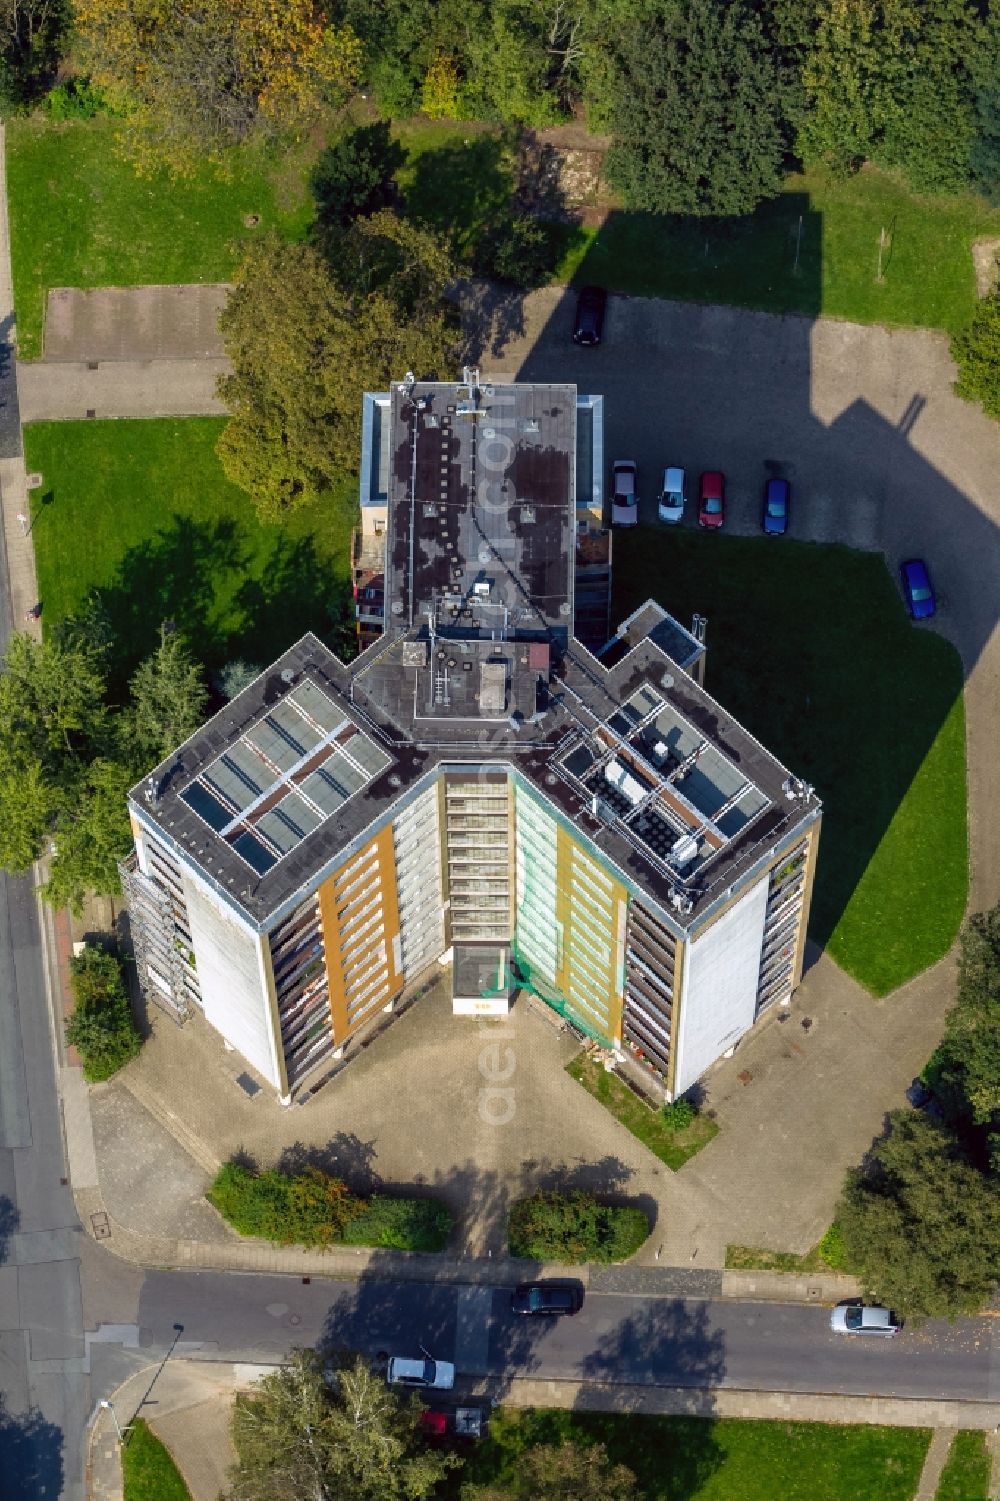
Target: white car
(855,1318)
(624,496)
(672,496)
(424,1374)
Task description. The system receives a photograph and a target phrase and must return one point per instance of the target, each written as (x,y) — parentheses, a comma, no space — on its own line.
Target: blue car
(776,497)
(917,589)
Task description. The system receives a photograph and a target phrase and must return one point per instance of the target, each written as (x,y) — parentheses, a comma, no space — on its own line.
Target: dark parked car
(917,589)
(774,520)
(589,325)
(546,1298)
(712,499)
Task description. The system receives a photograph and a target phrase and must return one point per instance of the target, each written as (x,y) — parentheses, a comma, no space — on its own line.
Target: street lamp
(110,1407)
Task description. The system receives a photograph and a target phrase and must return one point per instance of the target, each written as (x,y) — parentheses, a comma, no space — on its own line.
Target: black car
(546,1298)
(589,324)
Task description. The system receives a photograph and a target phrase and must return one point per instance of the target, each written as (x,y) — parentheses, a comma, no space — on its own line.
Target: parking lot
(862,420)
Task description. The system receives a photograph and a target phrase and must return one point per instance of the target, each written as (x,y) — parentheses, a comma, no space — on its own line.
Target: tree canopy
(694,109)
(560,1472)
(325,1433)
(305,345)
(67,759)
(195,77)
(921,1224)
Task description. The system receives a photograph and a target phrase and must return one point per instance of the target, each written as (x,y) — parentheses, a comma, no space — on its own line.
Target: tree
(32,35)
(694,110)
(355,177)
(305,347)
(287,332)
(168,702)
(976,352)
(89,835)
(921,1224)
(101,1025)
(895,82)
(197,77)
(305,1433)
(560,1472)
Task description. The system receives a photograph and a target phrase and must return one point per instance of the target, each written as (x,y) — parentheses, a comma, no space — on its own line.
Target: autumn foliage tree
(196,77)
(306,343)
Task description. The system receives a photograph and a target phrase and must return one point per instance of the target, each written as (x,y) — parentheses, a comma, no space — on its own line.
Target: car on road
(670,505)
(552,1298)
(918,590)
(774,519)
(588,325)
(424,1374)
(624,493)
(712,499)
(857,1318)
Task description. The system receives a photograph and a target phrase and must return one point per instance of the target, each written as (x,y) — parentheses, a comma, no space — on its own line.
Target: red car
(712,499)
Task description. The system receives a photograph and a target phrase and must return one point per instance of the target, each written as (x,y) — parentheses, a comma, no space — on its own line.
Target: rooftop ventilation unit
(683,851)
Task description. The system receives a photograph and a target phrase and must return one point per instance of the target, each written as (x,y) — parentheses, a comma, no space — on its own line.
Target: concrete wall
(719,994)
(232,978)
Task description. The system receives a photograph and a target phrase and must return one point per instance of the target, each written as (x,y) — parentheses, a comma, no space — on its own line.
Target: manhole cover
(101,1225)
(248,1085)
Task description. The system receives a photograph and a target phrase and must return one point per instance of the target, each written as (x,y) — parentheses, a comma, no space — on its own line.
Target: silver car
(856,1318)
(435,1375)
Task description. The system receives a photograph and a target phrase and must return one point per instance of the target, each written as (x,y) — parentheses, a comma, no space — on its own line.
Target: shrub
(312,1208)
(976,352)
(521,251)
(832,1249)
(574,1227)
(76,99)
(679,1115)
(309,1208)
(402,1224)
(101,1027)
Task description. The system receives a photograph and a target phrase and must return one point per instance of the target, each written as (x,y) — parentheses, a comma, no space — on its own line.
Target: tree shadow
(344,1156)
(492,315)
(460,190)
(10,1219)
(296,592)
(31,1461)
(171,576)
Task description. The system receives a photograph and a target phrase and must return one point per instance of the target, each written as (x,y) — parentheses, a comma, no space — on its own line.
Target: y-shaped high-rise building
(589,827)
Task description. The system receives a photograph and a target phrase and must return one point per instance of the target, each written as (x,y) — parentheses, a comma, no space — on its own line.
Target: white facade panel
(231,976)
(719,986)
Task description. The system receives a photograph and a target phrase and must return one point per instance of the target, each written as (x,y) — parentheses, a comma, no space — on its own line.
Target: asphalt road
(664,1341)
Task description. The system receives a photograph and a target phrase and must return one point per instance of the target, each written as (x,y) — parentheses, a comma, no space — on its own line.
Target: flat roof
(636,757)
(481,506)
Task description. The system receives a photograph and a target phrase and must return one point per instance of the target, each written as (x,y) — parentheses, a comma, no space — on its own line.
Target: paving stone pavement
(134,323)
(934,1463)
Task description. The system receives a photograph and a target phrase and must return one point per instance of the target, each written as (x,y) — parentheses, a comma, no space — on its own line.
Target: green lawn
(694,1459)
(80,217)
(672,1147)
(855,699)
(140,515)
(928,279)
(150,1474)
(966,1476)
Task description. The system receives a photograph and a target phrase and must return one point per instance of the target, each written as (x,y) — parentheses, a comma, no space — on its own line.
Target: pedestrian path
(934,1462)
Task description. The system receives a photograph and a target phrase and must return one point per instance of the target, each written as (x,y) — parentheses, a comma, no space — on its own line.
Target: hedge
(101,1027)
(312,1208)
(573,1228)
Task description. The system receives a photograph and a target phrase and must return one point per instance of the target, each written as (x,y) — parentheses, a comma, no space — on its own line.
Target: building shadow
(31,1456)
(708,387)
(10,1219)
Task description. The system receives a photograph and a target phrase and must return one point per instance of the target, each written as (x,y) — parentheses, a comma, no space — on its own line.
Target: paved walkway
(134,323)
(68,392)
(934,1463)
